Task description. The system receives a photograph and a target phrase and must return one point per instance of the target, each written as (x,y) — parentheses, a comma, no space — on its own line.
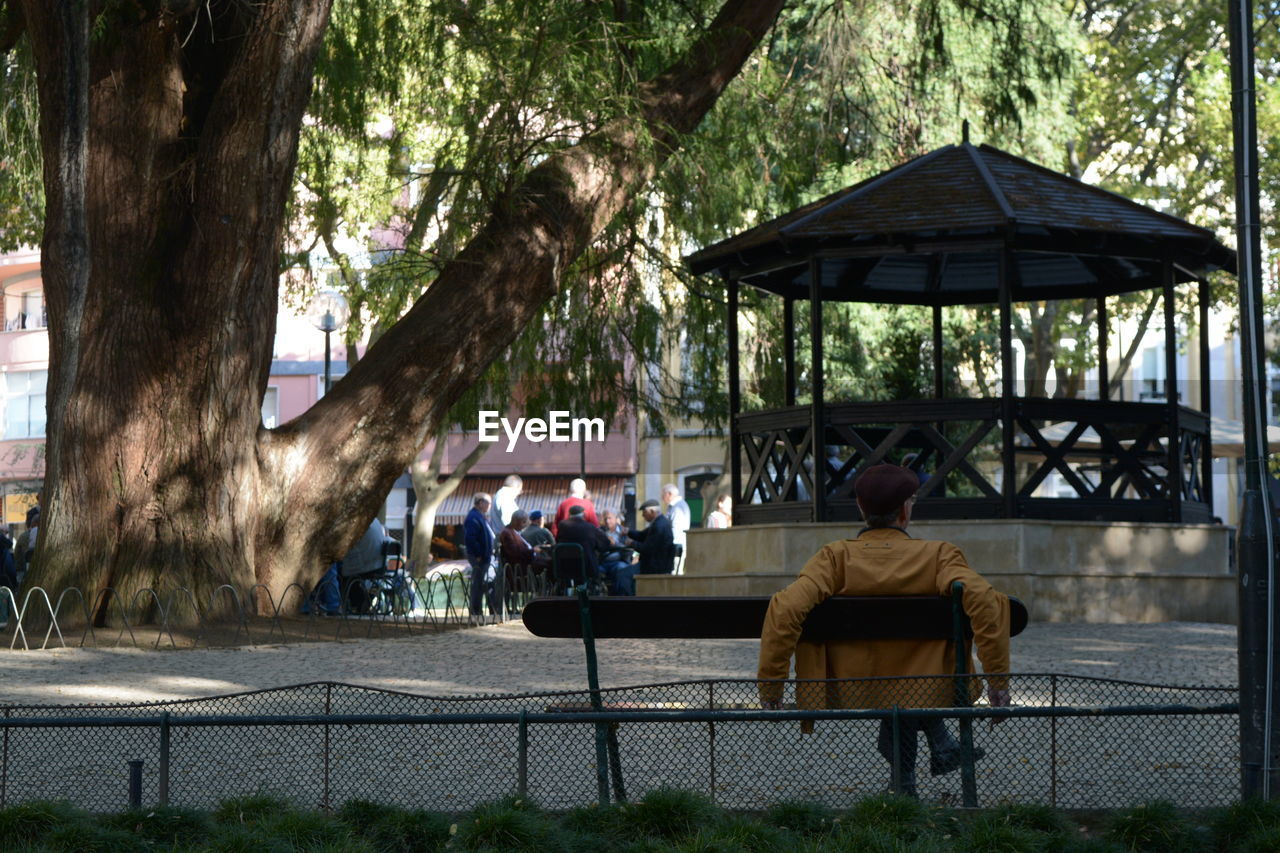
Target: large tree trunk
(169,142)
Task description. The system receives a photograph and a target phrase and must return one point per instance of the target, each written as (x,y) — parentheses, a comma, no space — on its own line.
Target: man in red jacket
(577,497)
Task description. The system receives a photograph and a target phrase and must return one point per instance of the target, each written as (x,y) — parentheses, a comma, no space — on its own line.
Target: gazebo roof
(932,231)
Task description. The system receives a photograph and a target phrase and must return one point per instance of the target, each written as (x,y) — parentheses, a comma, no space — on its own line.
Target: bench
(697,617)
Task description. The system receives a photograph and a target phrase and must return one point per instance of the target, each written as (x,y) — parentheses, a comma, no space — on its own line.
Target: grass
(663,821)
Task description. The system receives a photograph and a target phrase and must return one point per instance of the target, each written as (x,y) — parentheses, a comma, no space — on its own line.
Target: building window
(25,311)
(24,404)
(271,408)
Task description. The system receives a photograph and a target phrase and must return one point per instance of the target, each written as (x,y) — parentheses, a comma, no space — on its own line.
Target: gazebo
(970,225)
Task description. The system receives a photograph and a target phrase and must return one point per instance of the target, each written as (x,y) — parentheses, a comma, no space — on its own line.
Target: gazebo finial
(964,131)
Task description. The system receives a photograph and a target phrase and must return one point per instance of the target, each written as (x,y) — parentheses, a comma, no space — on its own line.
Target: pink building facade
(296,382)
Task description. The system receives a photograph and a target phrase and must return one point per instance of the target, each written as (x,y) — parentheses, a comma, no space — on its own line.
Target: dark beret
(883,489)
(577,509)
(535,515)
(650,504)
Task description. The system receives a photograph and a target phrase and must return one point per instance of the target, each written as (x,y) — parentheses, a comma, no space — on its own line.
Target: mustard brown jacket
(881,561)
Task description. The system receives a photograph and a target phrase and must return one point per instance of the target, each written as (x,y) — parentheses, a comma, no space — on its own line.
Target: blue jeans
(621,576)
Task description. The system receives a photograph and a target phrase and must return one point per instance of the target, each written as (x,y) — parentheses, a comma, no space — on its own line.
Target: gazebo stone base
(1066,571)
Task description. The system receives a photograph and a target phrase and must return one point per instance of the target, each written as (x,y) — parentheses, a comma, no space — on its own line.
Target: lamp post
(328,312)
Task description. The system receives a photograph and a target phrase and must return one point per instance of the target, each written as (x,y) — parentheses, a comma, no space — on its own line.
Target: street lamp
(328,312)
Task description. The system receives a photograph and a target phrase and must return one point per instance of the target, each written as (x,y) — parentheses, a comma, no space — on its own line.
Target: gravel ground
(508,659)
(1083,762)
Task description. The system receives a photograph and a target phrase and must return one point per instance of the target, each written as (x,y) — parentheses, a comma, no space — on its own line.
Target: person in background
(536,534)
(8,579)
(577,497)
(515,549)
(615,564)
(504,502)
(681,520)
(577,529)
(654,543)
(25,547)
(721,517)
(478,538)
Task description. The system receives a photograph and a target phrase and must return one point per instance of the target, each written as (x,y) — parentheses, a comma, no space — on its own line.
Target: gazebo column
(819,427)
(735,396)
(1171,392)
(1007,409)
(1206,396)
(789,350)
(938,385)
(1104,370)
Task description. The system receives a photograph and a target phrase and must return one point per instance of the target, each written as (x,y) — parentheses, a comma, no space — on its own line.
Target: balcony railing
(1116,460)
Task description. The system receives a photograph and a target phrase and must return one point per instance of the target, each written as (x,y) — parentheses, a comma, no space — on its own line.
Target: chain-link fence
(1067,741)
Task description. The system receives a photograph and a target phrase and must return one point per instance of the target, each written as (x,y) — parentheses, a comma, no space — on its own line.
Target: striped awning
(544,493)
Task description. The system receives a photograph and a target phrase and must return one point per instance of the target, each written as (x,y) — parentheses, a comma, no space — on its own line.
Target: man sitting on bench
(884,560)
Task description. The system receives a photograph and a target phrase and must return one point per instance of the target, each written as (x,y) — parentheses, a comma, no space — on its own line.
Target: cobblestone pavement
(507,659)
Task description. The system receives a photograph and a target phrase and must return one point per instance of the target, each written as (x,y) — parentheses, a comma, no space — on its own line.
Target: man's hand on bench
(998,699)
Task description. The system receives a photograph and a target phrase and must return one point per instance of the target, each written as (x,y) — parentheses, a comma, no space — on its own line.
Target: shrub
(165,824)
(241,838)
(1156,827)
(413,831)
(24,823)
(668,813)
(994,836)
(252,809)
(1239,821)
(84,836)
(509,824)
(903,817)
(751,836)
(802,817)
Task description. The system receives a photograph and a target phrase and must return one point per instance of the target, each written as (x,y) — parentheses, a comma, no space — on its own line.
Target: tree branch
(407,381)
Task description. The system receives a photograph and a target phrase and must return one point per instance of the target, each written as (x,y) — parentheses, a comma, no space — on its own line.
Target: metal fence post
(711,737)
(328,709)
(4,765)
(1053,742)
(164,758)
(522,754)
(135,784)
(895,774)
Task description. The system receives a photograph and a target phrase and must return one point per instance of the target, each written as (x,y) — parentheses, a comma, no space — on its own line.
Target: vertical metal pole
(4,766)
(1256,537)
(522,754)
(328,709)
(1174,464)
(1053,743)
(593,684)
(895,773)
(164,759)
(1009,488)
(326,362)
(1206,393)
(711,737)
(789,350)
(135,784)
(819,422)
(1104,369)
(735,397)
(968,779)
